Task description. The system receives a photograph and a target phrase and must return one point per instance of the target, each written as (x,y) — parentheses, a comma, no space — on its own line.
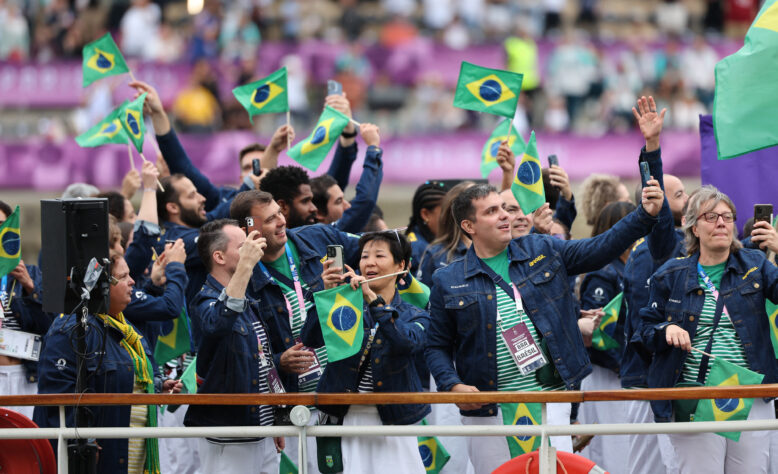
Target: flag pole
(355,122)
(704,353)
(384,276)
(132,76)
(289,126)
(159,185)
(129,152)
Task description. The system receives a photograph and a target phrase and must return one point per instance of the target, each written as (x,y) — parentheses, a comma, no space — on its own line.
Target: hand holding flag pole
(703,353)
(384,276)
(159,185)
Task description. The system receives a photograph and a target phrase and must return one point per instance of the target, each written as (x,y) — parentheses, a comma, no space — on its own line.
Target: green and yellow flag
(487,90)
(174,343)
(287,466)
(340,315)
(492,146)
(311,151)
(10,243)
(109,130)
(414,292)
(265,96)
(527,186)
(525,414)
(189,377)
(723,373)
(433,455)
(772,313)
(603,337)
(102,58)
(131,117)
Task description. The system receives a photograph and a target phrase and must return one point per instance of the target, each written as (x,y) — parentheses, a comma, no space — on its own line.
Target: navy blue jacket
(598,289)
(391,358)
(418,245)
(462,340)
(436,257)
(677,298)
(109,373)
(565,211)
(355,218)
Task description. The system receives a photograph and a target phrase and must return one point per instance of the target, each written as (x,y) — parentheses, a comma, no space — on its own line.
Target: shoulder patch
(638,243)
(752,269)
(412,237)
(536,260)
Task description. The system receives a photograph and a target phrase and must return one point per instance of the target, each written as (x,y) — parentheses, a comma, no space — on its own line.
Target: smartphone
(763,212)
(256,168)
(645,174)
(253,224)
(334,87)
(335,253)
(553,161)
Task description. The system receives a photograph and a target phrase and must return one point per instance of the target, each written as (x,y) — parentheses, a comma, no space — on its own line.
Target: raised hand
(650,121)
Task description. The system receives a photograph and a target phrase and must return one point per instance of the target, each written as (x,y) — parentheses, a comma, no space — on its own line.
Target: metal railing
(302,431)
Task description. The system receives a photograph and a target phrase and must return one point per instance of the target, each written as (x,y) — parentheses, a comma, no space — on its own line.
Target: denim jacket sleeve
(216,319)
(356,217)
(311,330)
(441,337)
(652,316)
(178,162)
(597,290)
(407,333)
(662,239)
(342,161)
(770,279)
(138,255)
(167,306)
(565,211)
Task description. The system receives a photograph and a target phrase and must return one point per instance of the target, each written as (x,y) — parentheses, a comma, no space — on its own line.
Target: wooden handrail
(749,391)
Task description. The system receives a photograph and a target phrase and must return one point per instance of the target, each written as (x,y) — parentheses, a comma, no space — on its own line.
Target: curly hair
(283,183)
(599,190)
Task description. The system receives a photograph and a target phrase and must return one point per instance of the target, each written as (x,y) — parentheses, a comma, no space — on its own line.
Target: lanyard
(298,289)
(519,307)
(711,288)
(5,296)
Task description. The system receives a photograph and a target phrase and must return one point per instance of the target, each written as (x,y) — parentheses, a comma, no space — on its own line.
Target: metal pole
(62,447)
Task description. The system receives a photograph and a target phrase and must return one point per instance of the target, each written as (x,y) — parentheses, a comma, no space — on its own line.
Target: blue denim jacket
(111,372)
(391,358)
(677,298)
(311,242)
(356,217)
(436,257)
(598,289)
(462,338)
(418,245)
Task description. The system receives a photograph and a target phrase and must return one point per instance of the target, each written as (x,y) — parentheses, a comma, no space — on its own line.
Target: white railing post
(62,447)
(300,416)
(547,453)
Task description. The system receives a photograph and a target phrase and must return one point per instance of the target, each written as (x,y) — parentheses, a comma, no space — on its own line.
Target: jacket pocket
(550,281)
(465,310)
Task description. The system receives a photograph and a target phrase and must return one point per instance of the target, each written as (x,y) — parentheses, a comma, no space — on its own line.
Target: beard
(296,219)
(192,218)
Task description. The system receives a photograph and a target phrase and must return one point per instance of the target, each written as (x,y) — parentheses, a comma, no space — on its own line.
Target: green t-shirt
(499,263)
(714,272)
(281,265)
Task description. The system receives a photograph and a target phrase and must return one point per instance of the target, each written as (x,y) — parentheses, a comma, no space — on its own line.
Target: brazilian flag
(287,466)
(131,117)
(414,292)
(10,243)
(487,90)
(433,455)
(189,377)
(527,186)
(109,130)
(492,146)
(311,151)
(102,58)
(265,96)
(340,315)
(723,373)
(524,414)
(174,343)
(602,338)
(772,313)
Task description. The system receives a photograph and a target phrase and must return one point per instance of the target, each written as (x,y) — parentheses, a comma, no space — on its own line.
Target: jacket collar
(473,264)
(734,265)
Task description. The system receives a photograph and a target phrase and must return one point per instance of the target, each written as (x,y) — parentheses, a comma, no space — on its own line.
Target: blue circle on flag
(110,128)
(262,93)
(426,455)
(524,421)
(133,124)
(11,242)
(318,135)
(727,404)
(529,173)
(490,90)
(103,62)
(344,318)
(494,148)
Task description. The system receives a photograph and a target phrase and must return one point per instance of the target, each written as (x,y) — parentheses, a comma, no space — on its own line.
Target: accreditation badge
(525,352)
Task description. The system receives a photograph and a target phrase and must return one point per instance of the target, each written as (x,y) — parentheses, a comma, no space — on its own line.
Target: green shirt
(499,263)
(281,265)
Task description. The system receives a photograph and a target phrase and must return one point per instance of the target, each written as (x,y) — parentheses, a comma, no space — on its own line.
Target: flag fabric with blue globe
(311,151)
(433,455)
(603,337)
(414,292)
(131,117)
(102,58)
(175,342)
(527,185)
(265,96)
(340,315)
(524,414)
(723,374)
(487,90)
(492,146)
(10,243)
(109,130)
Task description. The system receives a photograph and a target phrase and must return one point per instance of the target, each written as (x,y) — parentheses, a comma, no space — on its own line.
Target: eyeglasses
(713,217)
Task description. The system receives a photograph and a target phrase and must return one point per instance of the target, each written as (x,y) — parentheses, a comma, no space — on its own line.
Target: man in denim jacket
(462,350)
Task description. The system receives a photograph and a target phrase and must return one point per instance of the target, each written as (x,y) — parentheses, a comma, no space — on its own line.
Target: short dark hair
(170,194)
(462,207)
(399,246)
(6,209)
(241,206)
(250,148)
(115,203)
(213,238)
(427,196)
(283,183)
(319,187)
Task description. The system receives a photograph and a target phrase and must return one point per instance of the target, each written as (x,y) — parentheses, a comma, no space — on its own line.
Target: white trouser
(648,453)
(377,454)
(292,448)
(179,455)
(448,414)
(258,457)
(610,452)
(13,381)
(710,453)
(488,453)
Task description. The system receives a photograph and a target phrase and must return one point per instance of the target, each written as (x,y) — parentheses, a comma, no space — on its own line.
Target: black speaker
(73,231)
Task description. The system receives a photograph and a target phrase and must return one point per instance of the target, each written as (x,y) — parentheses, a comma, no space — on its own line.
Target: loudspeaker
(73,231)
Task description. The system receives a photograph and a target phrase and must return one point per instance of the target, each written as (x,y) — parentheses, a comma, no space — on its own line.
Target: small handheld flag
(102,58)
(311,151)
(340,315)
(287,466)
(603,335)
(527,186)
(189,377)
(10,243)
(109,130)
(265,96)
(433,455)
(414,292)
(723,373)
(175,342)
(525,414)
(492,146)
(487,90)
(772,314)
(131,117)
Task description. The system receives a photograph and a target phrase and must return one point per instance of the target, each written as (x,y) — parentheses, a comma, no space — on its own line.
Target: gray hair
(80,190)
(701,201)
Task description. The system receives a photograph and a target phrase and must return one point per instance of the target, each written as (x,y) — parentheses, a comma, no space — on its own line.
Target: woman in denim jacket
(679,322)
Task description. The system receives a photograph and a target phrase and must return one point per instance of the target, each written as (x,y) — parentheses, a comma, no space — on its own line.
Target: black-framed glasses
(713,217)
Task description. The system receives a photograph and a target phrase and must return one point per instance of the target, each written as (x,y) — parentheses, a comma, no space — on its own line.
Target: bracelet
(345,134)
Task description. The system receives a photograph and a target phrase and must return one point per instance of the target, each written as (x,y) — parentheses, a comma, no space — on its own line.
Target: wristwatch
(345,134)
(378,301)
